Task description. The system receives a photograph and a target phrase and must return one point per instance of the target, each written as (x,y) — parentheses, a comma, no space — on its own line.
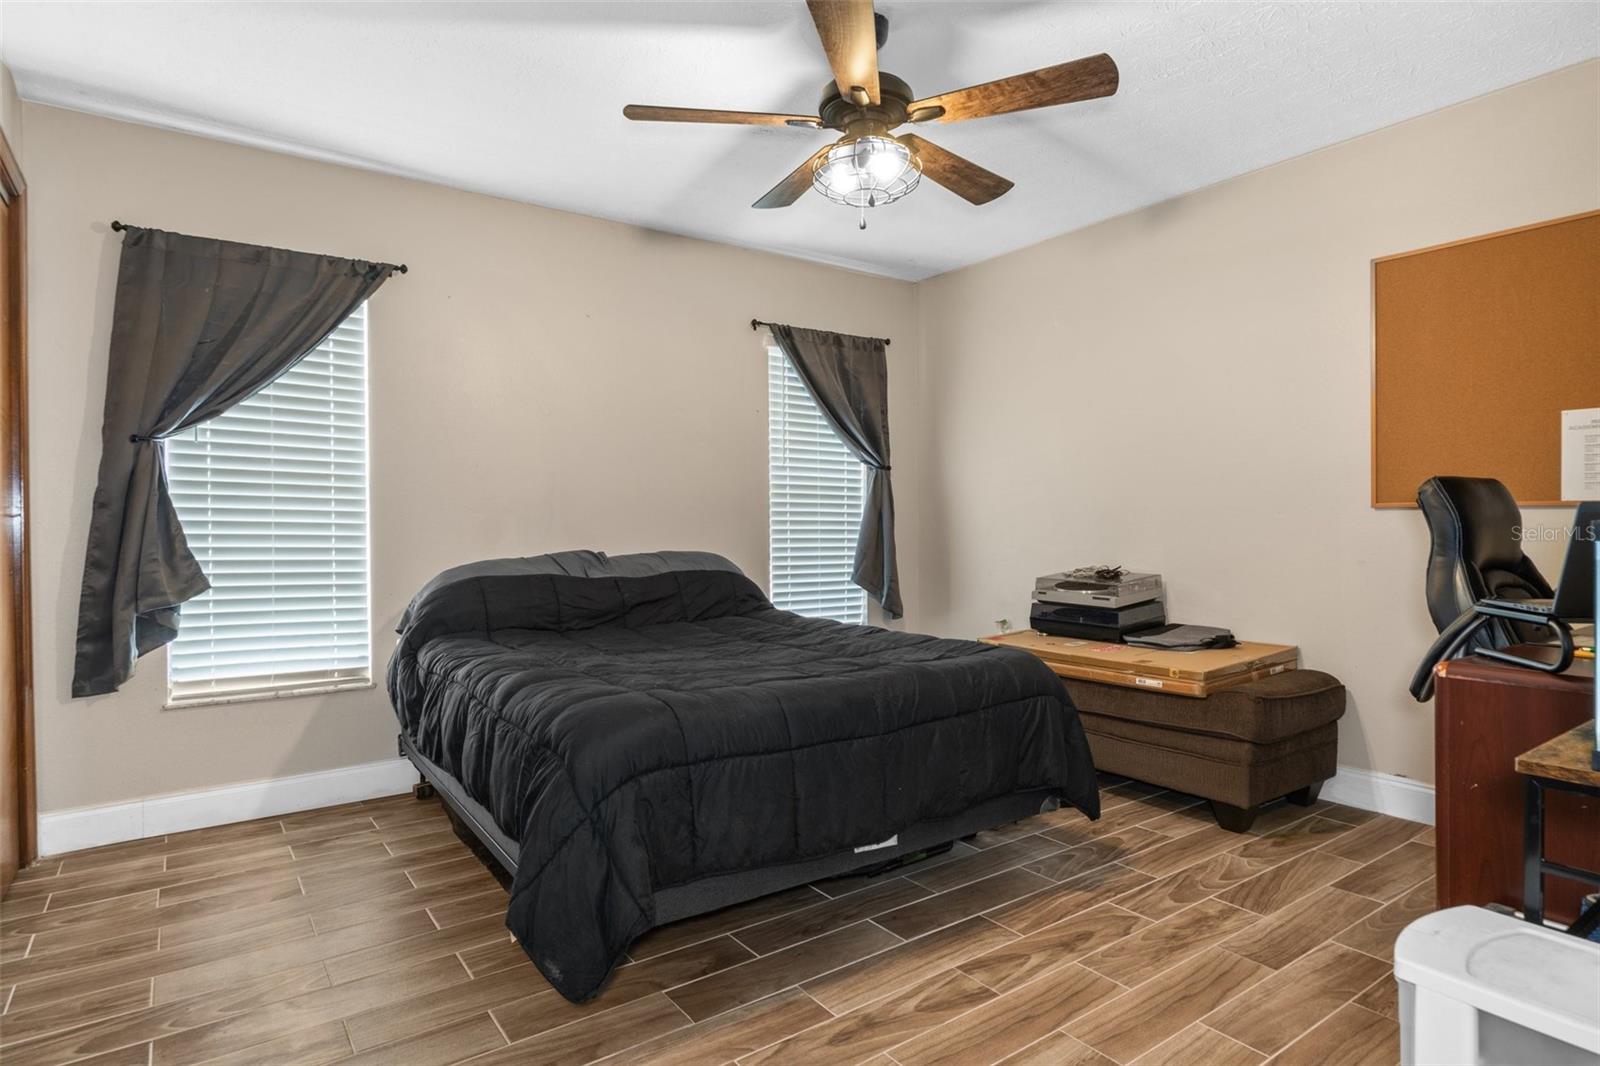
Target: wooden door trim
(13,190)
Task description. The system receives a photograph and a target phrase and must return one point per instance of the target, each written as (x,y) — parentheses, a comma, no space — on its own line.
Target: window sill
(327,688)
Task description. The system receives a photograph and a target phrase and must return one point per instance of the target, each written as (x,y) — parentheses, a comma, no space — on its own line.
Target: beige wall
(538,381)
(1186,389)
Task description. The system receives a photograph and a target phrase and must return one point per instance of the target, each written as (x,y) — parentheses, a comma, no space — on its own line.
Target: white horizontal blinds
(273,498)
(816,487)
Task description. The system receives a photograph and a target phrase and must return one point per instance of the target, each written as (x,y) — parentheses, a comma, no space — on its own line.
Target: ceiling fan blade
(850,37)
(794,186)
(1064,83)
(961,176)
(646,113)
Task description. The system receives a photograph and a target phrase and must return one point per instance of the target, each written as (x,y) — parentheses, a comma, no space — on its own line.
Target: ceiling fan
(869,166)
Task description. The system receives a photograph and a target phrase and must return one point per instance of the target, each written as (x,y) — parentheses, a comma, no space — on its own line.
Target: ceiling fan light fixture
(866,171)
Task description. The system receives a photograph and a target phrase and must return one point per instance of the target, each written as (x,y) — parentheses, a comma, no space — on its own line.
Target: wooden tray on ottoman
(1179,673)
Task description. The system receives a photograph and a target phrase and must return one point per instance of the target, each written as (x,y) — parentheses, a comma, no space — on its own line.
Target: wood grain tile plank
(98,1005)
(1072,828)
(330,913)
(46,964)
(547,1010)
(494,956)
(1167,1004)
(878,975)
(1283,884)
(87,922)
(1292,840)
(191,839)
(418,843)
(1009,1023)
(984,863)
(1113,847)
(448,1044)
(761,977)
(319,1045)
(1281,938)
(727,1037)
(1389,876)
(1375,934)
(950,907)
(596,1036)
(1372,838)
(94,885)
(1193,814)
(128,1056)
(13,907)
(141,1027)
(305,1011)
(429,943)
(1168,895)
(1348,815)
(708,926)
(1074,896)
(187,923)
(1283,814)
(418,1014)
(271,953)
(880,1025)
(1184,851)
(101,974)
(1381,997)
(1350,1036)
(781,932)
(114,855)
(1296,998)
(1137,958)
(1020,961)
(1057,1049)
(465,908)
(1199,1044)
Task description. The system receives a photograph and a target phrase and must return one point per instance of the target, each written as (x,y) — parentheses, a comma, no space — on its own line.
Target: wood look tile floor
(369,933)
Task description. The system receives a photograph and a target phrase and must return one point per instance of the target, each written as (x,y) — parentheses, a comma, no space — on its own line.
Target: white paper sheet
(1580,454)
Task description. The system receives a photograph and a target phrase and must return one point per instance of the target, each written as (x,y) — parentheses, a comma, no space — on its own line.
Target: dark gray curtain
(198,325)
(849,378)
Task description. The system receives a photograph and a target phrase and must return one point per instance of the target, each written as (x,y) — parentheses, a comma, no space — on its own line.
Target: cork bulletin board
(1478,346)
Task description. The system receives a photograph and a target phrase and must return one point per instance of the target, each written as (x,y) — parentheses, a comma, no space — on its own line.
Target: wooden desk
(1562,765)
(1486,714)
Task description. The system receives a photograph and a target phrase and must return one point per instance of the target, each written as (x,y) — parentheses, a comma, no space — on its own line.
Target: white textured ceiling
(524,100)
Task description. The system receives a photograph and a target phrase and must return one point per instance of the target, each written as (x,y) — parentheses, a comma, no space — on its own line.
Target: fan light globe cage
(867,171)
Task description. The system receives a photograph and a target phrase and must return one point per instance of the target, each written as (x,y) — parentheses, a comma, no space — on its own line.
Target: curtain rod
(117,226)
(756,323)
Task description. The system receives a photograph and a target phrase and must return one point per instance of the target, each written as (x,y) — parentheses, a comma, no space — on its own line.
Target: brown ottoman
(1239,748)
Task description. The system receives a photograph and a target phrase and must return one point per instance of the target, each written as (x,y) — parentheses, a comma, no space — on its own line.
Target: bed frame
(723,890)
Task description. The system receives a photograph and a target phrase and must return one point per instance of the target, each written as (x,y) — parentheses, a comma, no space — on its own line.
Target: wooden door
(17,830)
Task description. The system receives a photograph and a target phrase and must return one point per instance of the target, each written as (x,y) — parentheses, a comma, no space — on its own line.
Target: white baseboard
(1384,793)
(90,827)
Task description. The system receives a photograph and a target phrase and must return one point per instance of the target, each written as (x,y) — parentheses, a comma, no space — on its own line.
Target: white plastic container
(1478,987)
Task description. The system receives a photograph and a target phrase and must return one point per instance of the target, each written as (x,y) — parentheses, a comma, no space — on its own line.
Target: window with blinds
(816,487)
(273,498)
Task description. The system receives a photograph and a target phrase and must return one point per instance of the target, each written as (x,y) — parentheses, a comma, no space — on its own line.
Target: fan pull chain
(863,224)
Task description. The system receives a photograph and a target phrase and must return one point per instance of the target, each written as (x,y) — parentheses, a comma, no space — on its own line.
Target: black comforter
(639,722)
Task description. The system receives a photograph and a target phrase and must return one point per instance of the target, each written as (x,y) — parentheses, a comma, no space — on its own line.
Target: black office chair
(1475,554)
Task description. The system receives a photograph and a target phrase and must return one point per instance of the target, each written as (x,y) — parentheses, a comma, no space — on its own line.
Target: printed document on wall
(1580,454)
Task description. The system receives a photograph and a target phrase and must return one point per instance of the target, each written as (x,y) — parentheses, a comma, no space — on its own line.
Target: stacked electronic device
(1097,603)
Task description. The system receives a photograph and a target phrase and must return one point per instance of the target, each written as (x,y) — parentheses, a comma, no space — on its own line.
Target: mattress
(643,723)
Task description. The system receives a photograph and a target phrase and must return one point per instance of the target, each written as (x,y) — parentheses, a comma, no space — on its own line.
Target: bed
(640,738)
